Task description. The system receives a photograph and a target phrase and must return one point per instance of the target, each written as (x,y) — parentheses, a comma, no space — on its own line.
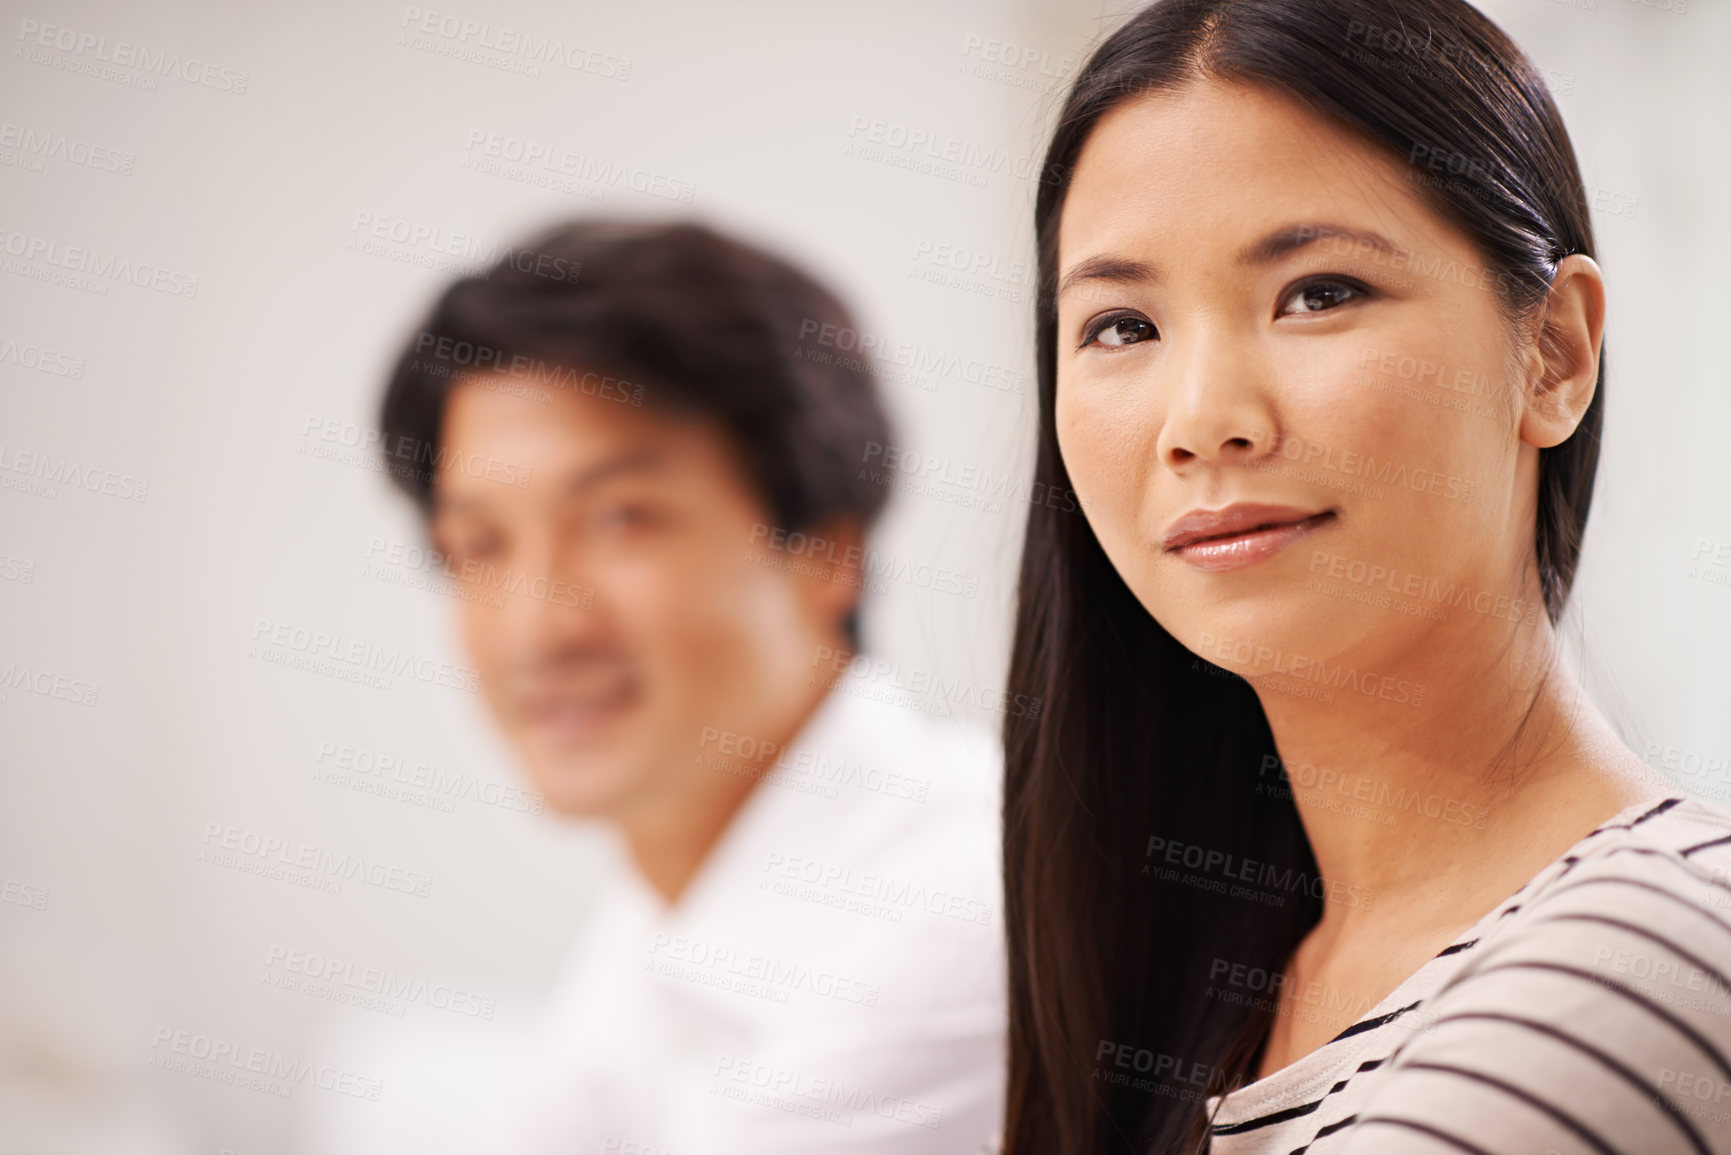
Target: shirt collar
(841,724)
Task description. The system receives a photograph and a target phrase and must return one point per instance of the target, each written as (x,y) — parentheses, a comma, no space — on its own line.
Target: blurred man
(645,472)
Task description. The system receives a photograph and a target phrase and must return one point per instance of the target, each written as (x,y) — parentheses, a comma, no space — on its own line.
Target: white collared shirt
(830,983)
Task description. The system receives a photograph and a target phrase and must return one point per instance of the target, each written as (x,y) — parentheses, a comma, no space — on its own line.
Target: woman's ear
(1562,363)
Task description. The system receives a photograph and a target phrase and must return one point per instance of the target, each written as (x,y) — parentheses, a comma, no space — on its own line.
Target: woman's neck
(1433,809)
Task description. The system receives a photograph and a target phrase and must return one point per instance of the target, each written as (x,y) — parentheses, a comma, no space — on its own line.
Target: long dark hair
(1143,747)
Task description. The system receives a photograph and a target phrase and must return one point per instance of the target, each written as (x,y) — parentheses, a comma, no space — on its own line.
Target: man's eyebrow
(642,460)
(1285,241)
(1117,270)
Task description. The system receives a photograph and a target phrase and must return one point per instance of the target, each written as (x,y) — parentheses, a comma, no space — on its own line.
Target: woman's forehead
(1209,161)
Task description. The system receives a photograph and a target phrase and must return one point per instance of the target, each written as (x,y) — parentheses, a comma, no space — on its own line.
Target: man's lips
(1239,535)
(573,710)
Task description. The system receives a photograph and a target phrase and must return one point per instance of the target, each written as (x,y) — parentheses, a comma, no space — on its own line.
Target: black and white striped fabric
(1588,1013)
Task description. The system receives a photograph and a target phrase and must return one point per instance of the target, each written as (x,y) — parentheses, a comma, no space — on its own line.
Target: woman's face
(1287,393)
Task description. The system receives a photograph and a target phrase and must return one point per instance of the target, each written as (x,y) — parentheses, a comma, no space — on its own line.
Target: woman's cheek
(1107,417)
(1100,465)
(1111,480)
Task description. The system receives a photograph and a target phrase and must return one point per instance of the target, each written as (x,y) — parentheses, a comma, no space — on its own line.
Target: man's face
(607,600)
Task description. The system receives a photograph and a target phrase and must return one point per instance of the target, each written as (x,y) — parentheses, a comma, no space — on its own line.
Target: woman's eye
(1319,297)
(1126,329)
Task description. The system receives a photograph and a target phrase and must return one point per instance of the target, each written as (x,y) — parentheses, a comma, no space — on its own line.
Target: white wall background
(105,807)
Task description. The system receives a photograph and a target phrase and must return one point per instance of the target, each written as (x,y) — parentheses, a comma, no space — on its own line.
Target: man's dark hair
(674,315)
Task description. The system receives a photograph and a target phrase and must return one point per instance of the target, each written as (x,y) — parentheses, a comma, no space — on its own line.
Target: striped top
(1589,1013)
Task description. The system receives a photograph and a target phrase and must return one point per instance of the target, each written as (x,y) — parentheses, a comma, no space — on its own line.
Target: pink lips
(1239,535)
(577,711)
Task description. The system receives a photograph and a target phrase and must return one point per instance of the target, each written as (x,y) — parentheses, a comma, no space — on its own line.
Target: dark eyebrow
(1117,270)
(1278,244)
(642,460)
(1294,237)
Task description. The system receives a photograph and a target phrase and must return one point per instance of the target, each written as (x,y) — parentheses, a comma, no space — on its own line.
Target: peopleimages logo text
(124,54)
(92,262)
(364,655)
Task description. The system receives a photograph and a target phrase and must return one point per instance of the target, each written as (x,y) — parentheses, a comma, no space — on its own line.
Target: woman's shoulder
(1598,1005)
(1654,883)
(1649,858)
(1676,824)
